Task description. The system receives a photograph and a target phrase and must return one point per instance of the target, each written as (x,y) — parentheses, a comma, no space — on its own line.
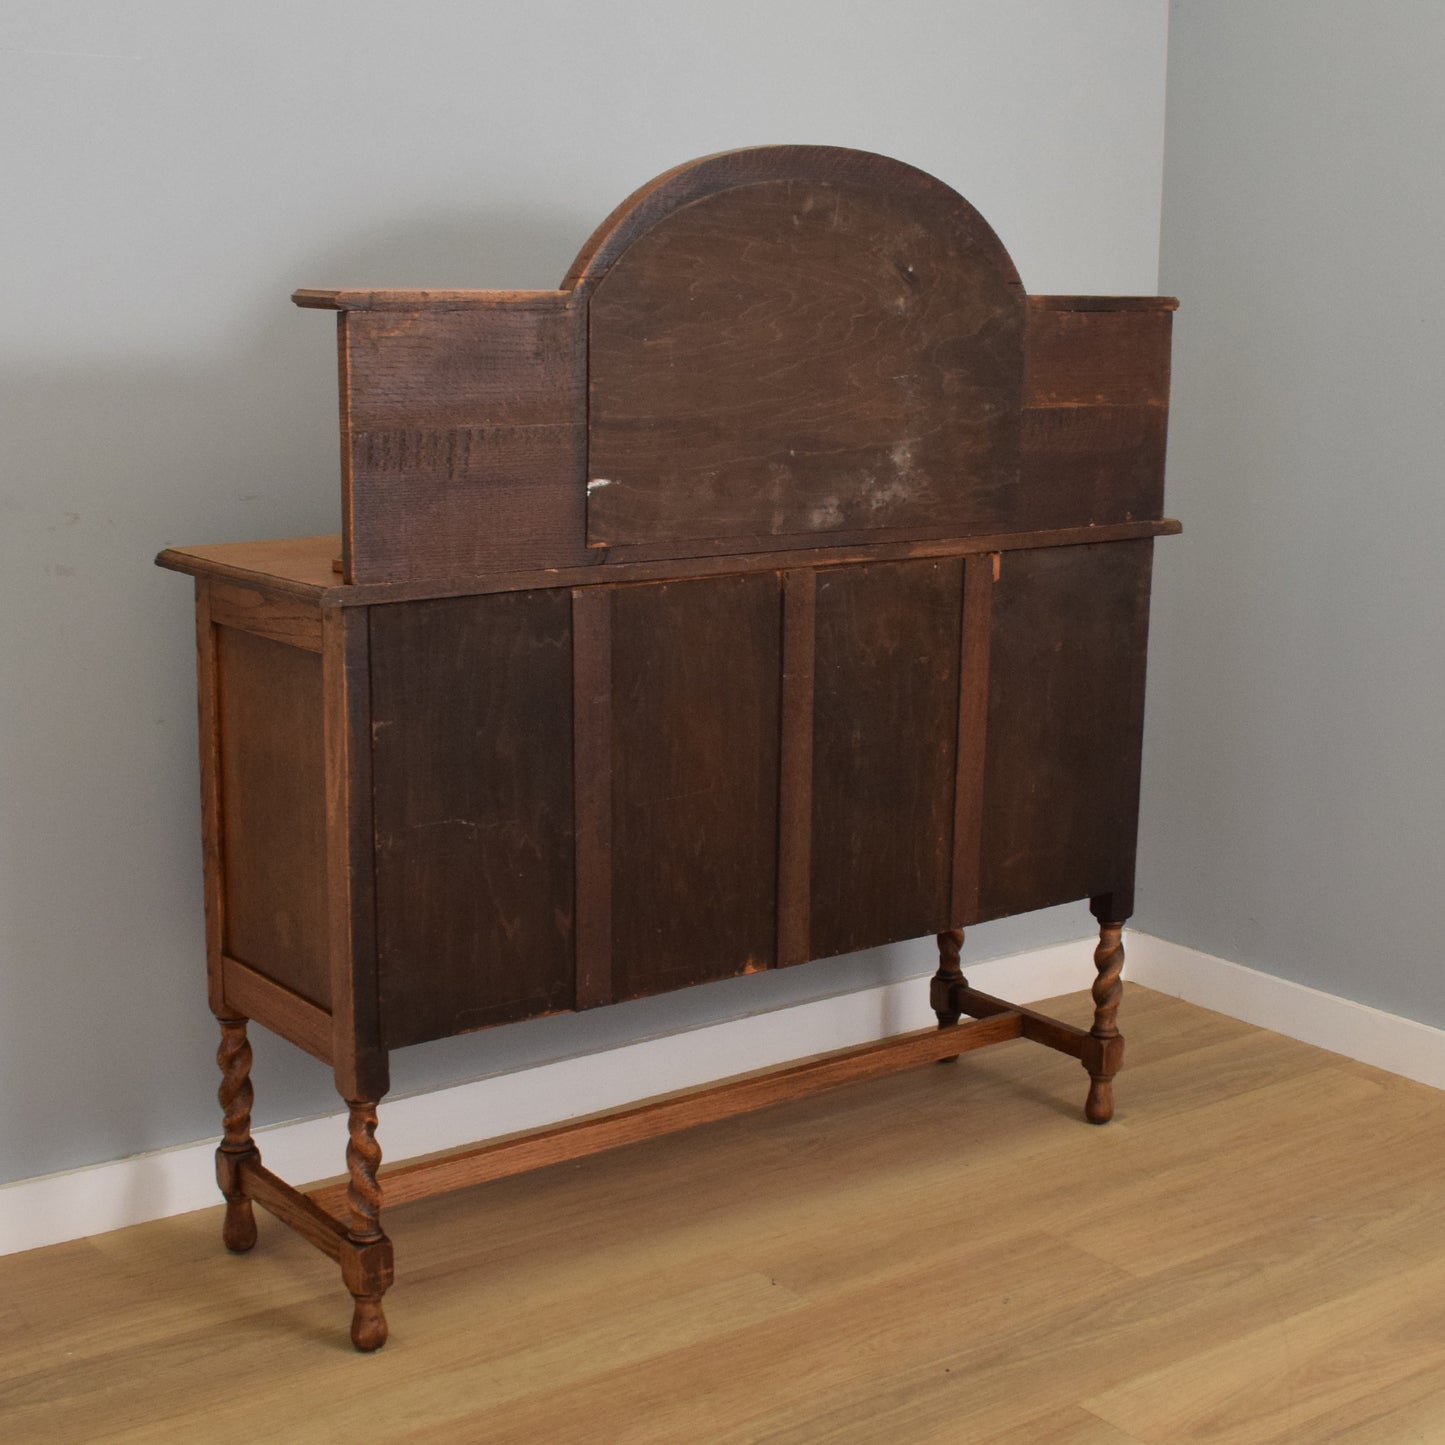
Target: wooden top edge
(427,300)
(302,565)
(1105,303)
(298,565)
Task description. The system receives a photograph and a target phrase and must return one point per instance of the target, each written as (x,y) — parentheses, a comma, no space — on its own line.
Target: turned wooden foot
(1104,1061)
(238,1231)
(366,1260)
(948,978)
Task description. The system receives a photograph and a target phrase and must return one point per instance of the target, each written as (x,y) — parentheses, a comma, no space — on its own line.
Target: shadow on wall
(106,1045)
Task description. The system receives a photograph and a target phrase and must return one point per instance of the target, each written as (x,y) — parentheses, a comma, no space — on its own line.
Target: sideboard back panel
(803,357)
(472,762)
(1065,719)
(696,672)
(884,751)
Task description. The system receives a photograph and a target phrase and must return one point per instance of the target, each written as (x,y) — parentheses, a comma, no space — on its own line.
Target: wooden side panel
(884,752)
(273,811)
(463,438)
(801,358)
(1096,393)
(1065,718)
(696,669)
(472,762)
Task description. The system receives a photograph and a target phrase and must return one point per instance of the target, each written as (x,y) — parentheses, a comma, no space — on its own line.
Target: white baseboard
(1388,1041)
(81,1202)
(100,1197)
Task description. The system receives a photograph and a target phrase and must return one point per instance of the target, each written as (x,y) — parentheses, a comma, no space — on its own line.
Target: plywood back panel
(886,694)
(809,342)
(695,681)
(472,767)
(463,437)
(1065,720)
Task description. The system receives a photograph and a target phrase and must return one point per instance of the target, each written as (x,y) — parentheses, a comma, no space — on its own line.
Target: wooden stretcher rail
(742,1095)
(310,1220)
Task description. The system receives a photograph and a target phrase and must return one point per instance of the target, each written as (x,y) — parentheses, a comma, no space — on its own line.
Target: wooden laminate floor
(1254,1251)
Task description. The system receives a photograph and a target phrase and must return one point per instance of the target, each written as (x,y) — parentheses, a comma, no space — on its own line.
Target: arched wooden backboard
(795,341)
(789,347)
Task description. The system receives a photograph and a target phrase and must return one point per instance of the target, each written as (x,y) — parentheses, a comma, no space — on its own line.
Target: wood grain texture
(208,737)
(472,729)
(795,767)
(692,181)
(273,811)
(463,438)
(696,670)
(1097,399)
(275,565)
(970,750)
(1097,358)
(884,752)
(281,616)
(1298,1295)
(281,1010)
(1065,720)
(592,769)
(801,358)
(1093,465)
(434,300)
(358,1054)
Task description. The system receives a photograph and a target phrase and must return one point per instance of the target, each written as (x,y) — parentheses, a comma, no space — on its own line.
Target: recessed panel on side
(472,767)
(696,673)
(1065,718)
(273,811)
(886,691)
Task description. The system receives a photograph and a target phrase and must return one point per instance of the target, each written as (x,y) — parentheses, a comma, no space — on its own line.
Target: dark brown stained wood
(1104,303)
(463,438)
(273,811)
(426,300)
(1066,705)
(1097,358)
(254,996)
(795,805)
(917,192)
(592,733)
(1093,464)
(285,565)
(358,1056)
(885,736)
(580,1137)
(978,579)
(278,615)
(696,673)
(472,757)
(796,358)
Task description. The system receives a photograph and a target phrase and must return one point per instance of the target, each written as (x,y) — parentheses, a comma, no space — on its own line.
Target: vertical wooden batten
(979,575)
(358,1056)
(207,687)
(592,733)
(795,804)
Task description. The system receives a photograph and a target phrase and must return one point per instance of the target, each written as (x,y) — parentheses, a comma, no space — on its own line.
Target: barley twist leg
(1108,990)
(371,1254)
(238,1232)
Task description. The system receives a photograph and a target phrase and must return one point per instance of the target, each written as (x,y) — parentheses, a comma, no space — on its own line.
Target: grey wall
(1294,815)
(171,171)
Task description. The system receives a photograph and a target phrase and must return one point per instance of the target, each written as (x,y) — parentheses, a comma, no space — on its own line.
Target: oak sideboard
(776,588)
